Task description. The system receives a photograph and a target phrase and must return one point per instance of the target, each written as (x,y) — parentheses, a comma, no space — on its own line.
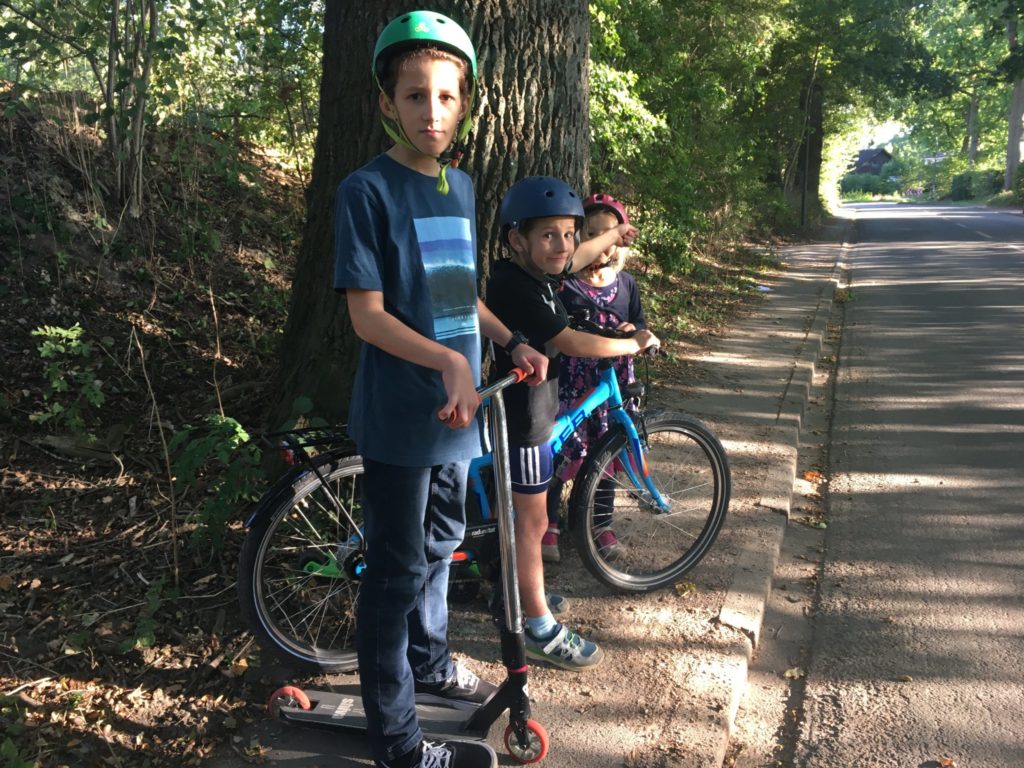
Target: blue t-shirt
(395,233)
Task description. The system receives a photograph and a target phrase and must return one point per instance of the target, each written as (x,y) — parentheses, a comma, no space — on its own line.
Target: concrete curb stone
(744,605)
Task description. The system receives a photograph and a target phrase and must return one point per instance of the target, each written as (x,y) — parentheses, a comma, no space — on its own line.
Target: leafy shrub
(1018,184)
(73,387)
(972,185)
(869,183)
(220,458)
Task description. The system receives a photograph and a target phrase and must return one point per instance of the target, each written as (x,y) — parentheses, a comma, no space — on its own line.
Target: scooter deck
(342,709)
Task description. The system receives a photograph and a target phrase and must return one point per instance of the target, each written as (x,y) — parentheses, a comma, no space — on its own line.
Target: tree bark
(1015,114)
(1014,130)
(972,128)
(531,118)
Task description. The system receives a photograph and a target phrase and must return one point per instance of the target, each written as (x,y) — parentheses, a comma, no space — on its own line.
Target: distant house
(871,161)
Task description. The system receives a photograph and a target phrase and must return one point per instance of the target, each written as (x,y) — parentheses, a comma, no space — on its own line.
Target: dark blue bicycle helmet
(537,197)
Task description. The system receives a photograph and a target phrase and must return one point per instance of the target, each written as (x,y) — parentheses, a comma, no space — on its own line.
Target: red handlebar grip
(519,373)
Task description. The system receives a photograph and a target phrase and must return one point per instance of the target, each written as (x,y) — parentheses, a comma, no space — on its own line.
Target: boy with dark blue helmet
(540,217)
(405,256)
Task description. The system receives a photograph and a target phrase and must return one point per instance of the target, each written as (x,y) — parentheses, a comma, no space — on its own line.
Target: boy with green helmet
(405,257)
(416,30)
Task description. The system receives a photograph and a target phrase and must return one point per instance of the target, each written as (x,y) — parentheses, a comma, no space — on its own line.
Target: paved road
(919,640)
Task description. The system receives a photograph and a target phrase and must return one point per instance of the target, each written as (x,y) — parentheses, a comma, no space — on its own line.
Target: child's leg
(394,501)
(443,529)
(531,522)
(604,503)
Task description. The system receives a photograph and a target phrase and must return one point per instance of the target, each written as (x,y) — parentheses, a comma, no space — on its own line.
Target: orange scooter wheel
(536,748)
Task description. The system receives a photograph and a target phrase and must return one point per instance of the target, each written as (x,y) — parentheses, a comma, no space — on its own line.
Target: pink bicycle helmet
(606,203)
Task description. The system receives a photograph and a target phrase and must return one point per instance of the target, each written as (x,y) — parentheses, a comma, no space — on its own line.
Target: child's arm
(524,356)
(375,325)
(579,344)
(590,251)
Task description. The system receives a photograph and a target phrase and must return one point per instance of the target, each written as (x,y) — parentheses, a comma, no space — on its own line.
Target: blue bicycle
(661,479)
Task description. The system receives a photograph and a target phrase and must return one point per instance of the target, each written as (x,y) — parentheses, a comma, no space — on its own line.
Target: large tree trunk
(971,139)
(1014,130)
(531,119)
(1015,114)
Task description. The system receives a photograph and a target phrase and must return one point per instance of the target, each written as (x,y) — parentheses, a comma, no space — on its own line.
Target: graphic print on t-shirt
(446,245)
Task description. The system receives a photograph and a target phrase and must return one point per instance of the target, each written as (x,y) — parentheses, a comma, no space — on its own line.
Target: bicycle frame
(606,392)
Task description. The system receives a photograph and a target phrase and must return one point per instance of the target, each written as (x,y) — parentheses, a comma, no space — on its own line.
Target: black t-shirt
(532,307)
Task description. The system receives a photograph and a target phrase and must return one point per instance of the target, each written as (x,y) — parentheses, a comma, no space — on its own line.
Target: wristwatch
(517,339)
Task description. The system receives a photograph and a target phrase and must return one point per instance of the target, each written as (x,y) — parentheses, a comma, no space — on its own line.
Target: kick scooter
(525,739)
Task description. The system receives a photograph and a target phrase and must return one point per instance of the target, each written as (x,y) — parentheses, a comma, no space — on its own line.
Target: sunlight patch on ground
(896,480)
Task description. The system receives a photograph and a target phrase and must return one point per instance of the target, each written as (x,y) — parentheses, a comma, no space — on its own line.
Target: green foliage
(1018,184)
(219,460)
(144,632)
(250,70)
(976,185)
(869,183)
(12,758)
(73,389)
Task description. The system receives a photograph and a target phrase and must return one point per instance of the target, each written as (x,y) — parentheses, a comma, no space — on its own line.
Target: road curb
(744,605)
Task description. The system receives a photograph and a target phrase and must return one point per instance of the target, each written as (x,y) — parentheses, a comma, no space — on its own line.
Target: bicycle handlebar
(581,321)
(514,376)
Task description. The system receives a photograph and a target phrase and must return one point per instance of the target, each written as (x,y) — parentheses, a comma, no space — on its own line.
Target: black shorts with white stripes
(531,467)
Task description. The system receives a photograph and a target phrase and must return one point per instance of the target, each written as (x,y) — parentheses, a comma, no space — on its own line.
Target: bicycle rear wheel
(300,565)
(655,548)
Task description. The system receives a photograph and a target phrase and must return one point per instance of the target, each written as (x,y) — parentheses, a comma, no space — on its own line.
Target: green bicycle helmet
(420,29)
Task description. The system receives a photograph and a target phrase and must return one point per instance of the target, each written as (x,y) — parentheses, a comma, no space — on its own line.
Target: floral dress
(580,374)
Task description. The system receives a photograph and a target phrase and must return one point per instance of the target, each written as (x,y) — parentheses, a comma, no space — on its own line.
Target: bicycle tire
(690,470)
(297,583)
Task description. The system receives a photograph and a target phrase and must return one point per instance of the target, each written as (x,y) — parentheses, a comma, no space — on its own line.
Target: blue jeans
(414,517)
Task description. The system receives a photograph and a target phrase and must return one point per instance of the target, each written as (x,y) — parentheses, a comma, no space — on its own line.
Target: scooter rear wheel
(287,695)
(537,748)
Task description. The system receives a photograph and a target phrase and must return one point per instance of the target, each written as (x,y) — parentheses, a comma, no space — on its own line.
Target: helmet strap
(450,157)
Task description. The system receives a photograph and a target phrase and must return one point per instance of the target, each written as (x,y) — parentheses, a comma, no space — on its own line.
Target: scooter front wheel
(536,748)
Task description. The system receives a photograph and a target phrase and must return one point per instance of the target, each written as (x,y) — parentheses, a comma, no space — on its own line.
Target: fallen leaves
(794,673)
(686,589)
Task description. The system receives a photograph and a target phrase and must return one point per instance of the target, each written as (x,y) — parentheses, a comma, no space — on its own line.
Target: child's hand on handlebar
(463,400)
(646,340)
(533,362)
(626,327)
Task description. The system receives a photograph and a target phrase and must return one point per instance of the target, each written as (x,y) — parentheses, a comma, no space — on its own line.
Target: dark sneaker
(450,754)
(463,691)
(549,552)
(564,649)
(608,546)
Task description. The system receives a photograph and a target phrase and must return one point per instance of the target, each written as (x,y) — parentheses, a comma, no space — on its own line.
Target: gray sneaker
(564,649)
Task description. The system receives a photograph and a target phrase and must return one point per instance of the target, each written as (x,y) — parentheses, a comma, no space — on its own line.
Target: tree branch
(53,34)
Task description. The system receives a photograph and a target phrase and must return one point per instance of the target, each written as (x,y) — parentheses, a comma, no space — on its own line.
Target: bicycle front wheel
(300,567)
(624,538)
